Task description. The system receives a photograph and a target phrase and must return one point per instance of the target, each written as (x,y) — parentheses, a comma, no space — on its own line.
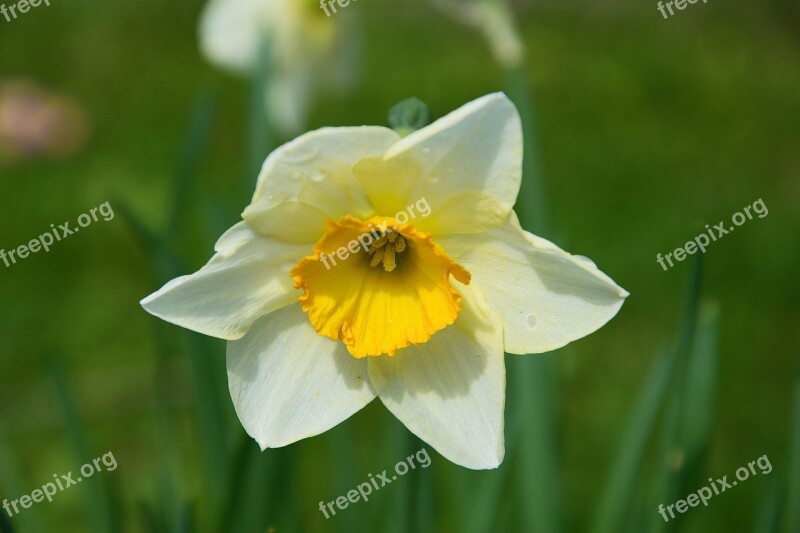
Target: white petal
(230,33)
(288,383)
(545,296)
(246,279)
(470,165)
(450,391)
(314,173)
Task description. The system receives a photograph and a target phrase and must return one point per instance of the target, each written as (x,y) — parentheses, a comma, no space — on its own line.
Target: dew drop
(301,156)
(317,177)
(531,321)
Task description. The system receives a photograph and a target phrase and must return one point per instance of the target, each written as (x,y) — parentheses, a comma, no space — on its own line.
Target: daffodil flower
(305,49)
(425,325)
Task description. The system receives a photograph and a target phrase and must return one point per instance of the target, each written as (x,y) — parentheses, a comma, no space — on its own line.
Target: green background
(647,129)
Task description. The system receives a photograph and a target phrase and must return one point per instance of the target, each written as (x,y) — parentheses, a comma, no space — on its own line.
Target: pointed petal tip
(491,461)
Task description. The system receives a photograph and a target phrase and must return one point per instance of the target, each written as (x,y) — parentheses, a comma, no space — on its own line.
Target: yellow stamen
(378,257)
(384,252)
(388,259)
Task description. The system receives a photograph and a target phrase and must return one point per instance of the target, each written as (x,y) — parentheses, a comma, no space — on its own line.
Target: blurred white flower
(495,20)
(304,49)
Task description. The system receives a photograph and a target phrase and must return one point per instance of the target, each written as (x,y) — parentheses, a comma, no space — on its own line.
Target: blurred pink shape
(35,122)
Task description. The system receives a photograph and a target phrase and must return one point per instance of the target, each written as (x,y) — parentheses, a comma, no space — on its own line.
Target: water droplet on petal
(317,177)
(531,321)
(301,156)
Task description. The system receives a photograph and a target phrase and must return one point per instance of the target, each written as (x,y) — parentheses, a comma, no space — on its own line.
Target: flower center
(378,286)
(385,249)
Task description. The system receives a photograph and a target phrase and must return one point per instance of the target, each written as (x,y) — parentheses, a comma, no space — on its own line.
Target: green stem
(258,139)
(533,427)
(531,204)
